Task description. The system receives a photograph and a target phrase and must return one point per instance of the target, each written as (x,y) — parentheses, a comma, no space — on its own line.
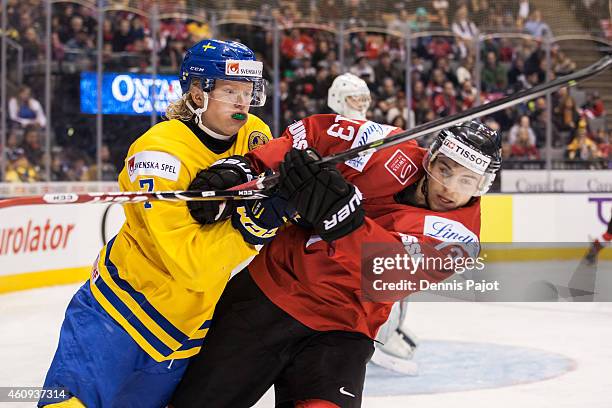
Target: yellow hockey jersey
(162,275)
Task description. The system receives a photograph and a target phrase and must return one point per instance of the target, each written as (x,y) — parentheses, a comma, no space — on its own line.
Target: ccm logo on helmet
(345,211)
(464,155)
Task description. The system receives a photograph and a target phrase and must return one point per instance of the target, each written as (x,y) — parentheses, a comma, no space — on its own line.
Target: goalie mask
(465,158)
(349,96)
(211,60)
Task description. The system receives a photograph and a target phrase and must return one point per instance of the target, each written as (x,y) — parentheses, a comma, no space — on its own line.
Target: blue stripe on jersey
(114,300)
(142,301)
(189,344)
(205,325)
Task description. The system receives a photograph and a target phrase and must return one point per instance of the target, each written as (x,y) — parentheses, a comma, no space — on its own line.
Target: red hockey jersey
(320,283)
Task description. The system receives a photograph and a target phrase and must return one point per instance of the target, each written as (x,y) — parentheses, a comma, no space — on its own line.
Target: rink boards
(56,244)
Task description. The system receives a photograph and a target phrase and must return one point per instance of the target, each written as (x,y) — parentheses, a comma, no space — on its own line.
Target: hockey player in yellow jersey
(128,333)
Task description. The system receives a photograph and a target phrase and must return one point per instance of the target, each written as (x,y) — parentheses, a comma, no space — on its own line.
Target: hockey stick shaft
(472,113)
(132,197)
(255,189)
(443,123)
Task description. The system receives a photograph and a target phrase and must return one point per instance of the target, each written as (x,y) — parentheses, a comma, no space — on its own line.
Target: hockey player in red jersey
(297,317)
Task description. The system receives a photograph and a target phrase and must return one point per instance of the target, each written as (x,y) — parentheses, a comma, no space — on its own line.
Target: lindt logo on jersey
(401,167)
(465,155)
(444,229)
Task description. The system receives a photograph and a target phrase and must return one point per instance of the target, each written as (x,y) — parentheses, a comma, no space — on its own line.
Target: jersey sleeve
(197,256)
(327,134)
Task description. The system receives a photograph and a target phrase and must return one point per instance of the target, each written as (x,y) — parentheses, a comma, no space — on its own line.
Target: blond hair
(179,109)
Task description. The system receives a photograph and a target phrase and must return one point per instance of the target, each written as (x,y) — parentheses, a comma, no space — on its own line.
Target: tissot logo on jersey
(244,68)
(465,155)
(151,163)
(401,167)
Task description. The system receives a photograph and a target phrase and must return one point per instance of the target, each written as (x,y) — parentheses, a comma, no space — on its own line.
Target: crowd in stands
(443,77)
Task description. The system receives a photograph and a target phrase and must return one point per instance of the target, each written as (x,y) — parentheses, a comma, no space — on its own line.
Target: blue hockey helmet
(210,60)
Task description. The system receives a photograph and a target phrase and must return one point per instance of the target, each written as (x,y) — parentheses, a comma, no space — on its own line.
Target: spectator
(121,36)
(78,47)
(516,75)
(388,89)
(562,64)
(467,96)
(436,84)
(137,30)
(439,47)
(12,142)
(441,8)
(566,116)
(19,169)
(109,171)
(400,22)
(536,27)
(523,11)
(399,122)
(582,148)
(494,75)
(25,110)
(445,104)
(465,69)
(480,9)
(593,106)
(464,29)
(32,47)
(522,126)
(386,69)
(31,146)
(538,122)
(443,65)
(297,45)
(421,21)
(364,70)
(400,110)
(421,102)
(523,147)
(322,84)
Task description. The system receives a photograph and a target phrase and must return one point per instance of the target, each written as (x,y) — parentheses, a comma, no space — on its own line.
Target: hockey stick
(443,123)
(256,189)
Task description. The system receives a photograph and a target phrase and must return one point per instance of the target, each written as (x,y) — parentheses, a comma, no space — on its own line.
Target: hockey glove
(223,174)
(296,171)
(320,195)
(258,221)
(330,204)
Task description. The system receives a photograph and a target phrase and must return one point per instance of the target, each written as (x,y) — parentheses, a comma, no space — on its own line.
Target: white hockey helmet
(349,96)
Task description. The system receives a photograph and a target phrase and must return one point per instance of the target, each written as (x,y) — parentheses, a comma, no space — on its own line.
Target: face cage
(258,98)
(481,189)
(359,102)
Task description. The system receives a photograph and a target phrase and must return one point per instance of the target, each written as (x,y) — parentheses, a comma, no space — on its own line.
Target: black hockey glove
(320,195)
(258,220)
(221,175)
(296,171)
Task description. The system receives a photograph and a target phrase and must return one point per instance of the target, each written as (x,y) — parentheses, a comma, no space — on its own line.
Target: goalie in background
(350,97)
(130,330)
